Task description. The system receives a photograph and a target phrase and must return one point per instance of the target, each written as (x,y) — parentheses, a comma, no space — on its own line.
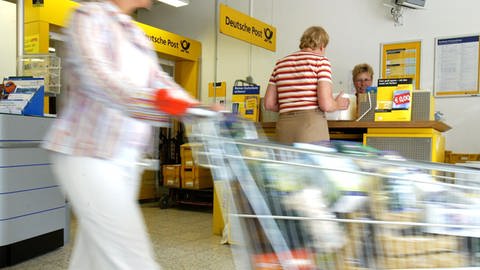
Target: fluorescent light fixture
(175,3)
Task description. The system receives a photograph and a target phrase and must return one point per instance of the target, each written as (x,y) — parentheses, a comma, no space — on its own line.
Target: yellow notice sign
(218,89)
(32,44)
(241,26)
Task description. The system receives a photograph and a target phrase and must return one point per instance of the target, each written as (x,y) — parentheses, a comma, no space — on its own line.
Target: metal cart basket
(338,205)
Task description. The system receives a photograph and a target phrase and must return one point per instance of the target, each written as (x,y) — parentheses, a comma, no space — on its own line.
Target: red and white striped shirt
(296,78)
(112,76)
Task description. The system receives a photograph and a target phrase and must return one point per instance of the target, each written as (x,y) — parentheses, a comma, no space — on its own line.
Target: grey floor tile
(182,240)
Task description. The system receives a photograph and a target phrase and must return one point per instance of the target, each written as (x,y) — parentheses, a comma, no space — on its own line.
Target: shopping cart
(337,205)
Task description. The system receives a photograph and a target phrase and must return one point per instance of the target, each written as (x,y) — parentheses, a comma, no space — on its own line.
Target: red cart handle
(172,103)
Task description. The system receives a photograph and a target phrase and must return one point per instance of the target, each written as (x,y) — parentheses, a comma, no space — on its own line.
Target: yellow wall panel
(186,74)
(36,37)
(56,12)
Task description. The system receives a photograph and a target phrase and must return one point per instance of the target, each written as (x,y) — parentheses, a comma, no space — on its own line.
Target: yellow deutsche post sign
(172,44)
(241,26)
(56,12)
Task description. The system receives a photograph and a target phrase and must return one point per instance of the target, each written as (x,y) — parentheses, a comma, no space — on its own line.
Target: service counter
(34,217)
(418,140)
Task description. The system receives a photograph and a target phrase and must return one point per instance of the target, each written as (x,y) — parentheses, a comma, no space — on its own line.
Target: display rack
(47,66)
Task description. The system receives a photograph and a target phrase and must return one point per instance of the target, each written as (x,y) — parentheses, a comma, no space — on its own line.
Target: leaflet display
(394,100)
(23,95)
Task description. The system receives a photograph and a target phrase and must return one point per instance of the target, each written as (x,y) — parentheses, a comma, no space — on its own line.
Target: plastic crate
(453,158)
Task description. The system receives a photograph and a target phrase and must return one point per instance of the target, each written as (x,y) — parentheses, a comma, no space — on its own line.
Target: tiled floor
(182,240)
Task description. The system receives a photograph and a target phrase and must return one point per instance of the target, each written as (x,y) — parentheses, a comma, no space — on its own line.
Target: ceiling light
(175,3)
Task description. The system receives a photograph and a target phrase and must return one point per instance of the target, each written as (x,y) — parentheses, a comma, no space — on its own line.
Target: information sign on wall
(402,60)
(246,101)
(456,65)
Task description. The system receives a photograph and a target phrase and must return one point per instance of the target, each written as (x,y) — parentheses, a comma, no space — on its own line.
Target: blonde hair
(314,37)
(361,68)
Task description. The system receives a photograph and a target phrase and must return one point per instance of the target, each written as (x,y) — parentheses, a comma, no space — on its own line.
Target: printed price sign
(401,100)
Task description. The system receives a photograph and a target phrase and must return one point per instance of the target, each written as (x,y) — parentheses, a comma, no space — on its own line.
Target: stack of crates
(455,158)
(192,175)
(171,175)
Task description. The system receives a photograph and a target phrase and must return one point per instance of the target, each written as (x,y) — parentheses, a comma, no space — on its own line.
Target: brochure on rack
(22,95)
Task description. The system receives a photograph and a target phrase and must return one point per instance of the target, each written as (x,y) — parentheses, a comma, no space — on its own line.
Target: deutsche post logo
(185,46)
(268,35)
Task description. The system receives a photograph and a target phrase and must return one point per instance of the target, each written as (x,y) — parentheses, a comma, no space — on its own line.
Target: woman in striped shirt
(300,89)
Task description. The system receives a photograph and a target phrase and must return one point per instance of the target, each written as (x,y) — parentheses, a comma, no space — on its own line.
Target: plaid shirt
(112,73)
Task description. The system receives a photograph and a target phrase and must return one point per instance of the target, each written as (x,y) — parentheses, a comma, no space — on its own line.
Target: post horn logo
(268,35)
(185,46)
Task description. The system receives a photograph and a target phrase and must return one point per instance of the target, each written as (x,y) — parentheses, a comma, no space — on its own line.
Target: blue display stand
(35,105)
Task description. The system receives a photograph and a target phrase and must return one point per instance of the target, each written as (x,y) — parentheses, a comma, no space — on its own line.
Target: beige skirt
(302,126)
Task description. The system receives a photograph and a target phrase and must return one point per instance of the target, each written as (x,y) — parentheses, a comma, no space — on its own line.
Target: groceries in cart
(338,205)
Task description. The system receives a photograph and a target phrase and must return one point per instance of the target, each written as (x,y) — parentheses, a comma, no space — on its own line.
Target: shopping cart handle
(201,112)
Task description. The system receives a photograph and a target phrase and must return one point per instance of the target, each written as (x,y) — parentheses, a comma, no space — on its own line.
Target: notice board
(456,65)
(402,60)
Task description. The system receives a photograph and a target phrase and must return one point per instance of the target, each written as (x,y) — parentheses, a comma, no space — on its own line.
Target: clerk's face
(362,81)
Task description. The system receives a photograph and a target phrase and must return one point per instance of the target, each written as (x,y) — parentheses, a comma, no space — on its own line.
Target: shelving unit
(188,183)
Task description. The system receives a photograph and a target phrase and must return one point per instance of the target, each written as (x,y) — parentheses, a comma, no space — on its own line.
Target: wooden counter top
(437,125)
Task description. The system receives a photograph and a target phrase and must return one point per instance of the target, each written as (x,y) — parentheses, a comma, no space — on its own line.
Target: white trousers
(111,233)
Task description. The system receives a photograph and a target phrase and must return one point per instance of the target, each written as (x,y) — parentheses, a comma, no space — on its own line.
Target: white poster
(456,65)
